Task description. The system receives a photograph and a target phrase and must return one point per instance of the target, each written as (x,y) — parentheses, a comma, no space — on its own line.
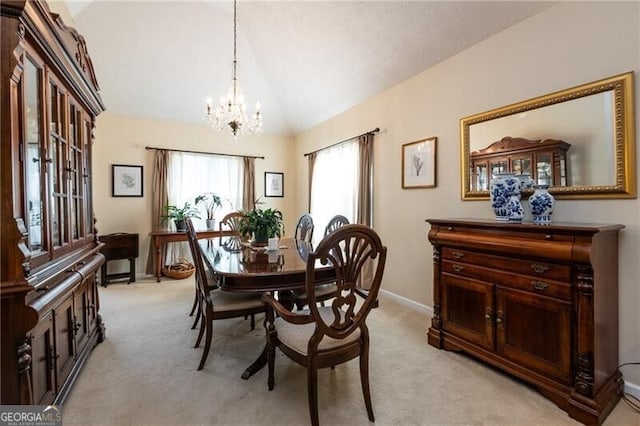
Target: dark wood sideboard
(539,302)
(49,253)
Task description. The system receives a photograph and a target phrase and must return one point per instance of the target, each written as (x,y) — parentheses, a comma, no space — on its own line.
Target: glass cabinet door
(58,196)
(499,166)
(75,170)
(543,170)
(482,177)
(56,164)
(32,155)
(561,171)
(86,175)
(521,165)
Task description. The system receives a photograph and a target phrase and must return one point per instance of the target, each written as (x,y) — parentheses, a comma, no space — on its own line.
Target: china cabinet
(544,160)
(540,302)
(49,253)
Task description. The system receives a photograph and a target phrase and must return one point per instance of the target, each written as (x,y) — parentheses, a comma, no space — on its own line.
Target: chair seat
(320,290)
(297,336)
(228,301)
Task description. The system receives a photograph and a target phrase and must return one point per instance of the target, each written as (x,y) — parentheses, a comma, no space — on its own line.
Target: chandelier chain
(235,54)
(231,114)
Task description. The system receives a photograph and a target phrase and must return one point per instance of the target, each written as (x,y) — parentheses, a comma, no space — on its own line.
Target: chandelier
(231,114)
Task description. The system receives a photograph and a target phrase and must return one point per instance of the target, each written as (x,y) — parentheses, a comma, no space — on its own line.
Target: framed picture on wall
(273,184)
(419,164)
(126,181)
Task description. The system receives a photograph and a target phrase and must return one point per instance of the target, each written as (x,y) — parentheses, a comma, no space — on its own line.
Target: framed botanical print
(273,184)
(126,181)
(419,164)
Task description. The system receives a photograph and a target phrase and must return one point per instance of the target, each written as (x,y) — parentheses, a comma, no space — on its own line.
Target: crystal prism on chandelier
(231,114)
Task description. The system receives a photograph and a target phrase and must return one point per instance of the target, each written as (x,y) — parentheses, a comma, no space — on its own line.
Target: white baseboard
(629,387)
(632,389)
(407,302)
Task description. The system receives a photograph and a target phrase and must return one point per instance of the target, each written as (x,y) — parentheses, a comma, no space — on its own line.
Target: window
(190,175)
(334,187)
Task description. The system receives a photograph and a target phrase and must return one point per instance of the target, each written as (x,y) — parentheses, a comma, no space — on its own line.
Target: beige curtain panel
(249,188)
(159,199)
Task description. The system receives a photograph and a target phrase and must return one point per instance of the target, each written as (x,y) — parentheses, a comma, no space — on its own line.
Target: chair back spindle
(336,222)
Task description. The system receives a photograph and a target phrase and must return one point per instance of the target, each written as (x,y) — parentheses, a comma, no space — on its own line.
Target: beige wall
(60,7)
(564,46)
(122,140)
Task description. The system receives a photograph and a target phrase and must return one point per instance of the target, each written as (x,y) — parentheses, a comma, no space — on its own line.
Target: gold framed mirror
(595,123)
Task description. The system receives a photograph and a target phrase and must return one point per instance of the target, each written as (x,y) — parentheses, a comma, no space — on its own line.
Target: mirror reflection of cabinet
(544,160)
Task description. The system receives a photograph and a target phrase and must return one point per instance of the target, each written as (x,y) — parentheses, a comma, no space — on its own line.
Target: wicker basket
(179,270)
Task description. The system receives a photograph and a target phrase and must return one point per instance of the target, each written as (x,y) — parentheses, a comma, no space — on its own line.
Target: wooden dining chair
(231,222)
(325,291)
(216,304)
(336,222)
(327,336)
(304,228)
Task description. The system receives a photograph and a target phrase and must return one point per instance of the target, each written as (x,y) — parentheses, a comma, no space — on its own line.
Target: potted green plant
(211,204)
(262,224)
(179,214)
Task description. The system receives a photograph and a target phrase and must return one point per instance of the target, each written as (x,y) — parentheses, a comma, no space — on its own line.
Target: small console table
(119,246)
(160,238)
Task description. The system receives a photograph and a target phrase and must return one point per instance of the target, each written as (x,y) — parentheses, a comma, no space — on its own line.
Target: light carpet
(144,373)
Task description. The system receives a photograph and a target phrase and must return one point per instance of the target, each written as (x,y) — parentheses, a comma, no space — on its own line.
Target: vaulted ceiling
(305,61)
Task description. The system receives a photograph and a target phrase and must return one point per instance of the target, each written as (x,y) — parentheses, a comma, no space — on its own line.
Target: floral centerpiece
(262,224)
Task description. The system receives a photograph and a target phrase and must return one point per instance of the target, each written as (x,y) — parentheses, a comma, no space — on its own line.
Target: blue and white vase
(503,185)
(515,212)
(525,181)
(541,203)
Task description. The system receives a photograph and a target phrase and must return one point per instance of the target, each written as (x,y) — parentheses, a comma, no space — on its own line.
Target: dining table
(242,268)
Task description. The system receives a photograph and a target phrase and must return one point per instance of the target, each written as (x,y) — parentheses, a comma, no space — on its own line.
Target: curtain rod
(201,152)
(376,130)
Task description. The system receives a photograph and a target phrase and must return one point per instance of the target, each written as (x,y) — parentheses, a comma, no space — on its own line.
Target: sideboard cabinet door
(81,320)
(467,307)
(535,332)
(43,359)
(64,344)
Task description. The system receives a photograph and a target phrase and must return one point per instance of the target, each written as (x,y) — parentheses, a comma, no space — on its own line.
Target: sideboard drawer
(543,286)
(542,269)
